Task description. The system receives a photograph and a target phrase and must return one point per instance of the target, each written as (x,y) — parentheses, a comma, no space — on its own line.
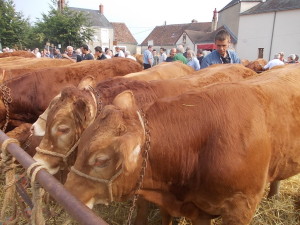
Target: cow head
(109,152)
(38,127)
(67,118)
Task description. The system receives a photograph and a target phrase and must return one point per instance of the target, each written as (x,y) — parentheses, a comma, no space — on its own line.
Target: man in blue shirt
(148,57)
(222,54)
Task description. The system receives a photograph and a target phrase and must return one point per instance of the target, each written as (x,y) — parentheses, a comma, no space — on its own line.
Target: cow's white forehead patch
(90,203)
(39,128)
(142,122)
(134,155)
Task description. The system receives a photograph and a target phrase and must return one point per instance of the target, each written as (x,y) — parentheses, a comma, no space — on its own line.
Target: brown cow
(17,66)
(163,71)
(256,65)
(74,104)
(24,54)
(31,93)
(64,123)
(211,153)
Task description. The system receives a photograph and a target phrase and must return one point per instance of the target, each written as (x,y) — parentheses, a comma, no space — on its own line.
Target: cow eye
(63,129)
(100,162)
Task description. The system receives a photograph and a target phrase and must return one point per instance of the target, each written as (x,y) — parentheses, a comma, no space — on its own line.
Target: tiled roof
(97,19)
(273,5)
(122,34)
(234,2)
(210,37)
(195,35)
(169,34)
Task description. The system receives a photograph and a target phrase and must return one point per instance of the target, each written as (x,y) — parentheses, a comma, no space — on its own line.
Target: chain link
(98,99)
(144,166)
(7,99)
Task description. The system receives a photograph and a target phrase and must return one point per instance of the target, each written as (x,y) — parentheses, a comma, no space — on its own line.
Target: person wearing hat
(86,54)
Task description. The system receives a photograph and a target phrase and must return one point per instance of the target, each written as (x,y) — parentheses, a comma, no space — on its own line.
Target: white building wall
(286,33)
(230,18)
(102,37)
(188,43)
(256,31)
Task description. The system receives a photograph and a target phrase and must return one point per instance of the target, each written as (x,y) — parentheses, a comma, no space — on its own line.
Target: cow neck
(109,182)
(7,99)
(97,98)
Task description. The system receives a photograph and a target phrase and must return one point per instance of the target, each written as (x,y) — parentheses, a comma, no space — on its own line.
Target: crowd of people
(280,60)
(221,55)
(199,60)
(196,60)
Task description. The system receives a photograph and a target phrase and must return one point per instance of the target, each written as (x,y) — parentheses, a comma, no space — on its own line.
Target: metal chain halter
(98,98)
(147,148)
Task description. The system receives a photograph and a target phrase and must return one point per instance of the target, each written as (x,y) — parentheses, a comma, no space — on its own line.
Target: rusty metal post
(74,207)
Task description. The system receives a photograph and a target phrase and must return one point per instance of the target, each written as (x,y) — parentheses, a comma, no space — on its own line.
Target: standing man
(71,55)
(163,55)
(179,54)
(148,57)
(222,54)
(170,58)
(119,52)
(99,53)
(86,54)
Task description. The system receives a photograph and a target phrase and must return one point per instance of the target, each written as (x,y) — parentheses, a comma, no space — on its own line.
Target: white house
(272,27)
(263,27)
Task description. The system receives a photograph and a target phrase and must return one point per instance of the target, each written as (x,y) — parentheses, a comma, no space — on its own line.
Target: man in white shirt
(120,53)
(274,62)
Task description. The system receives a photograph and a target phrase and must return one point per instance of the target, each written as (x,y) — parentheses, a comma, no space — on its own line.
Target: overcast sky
(141,17)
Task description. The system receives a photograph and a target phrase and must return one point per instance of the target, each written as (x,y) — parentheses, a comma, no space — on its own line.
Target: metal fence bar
(74,207)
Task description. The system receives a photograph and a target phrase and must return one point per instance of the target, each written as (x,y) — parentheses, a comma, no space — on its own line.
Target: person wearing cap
(148,57)
(86,54)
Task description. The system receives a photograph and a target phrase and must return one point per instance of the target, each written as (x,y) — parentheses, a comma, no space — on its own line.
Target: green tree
(14,29)
(66,27)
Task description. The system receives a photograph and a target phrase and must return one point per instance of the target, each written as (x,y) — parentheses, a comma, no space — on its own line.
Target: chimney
(61,5)
(214,22)
(101,9)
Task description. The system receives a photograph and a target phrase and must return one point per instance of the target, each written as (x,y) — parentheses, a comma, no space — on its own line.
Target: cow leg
(240,209)
(165,217)
(274,188)
(142,212)
(201,221)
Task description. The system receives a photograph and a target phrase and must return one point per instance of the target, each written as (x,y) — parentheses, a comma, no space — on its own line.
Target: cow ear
(87,82)
(80,110)
(124,100)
